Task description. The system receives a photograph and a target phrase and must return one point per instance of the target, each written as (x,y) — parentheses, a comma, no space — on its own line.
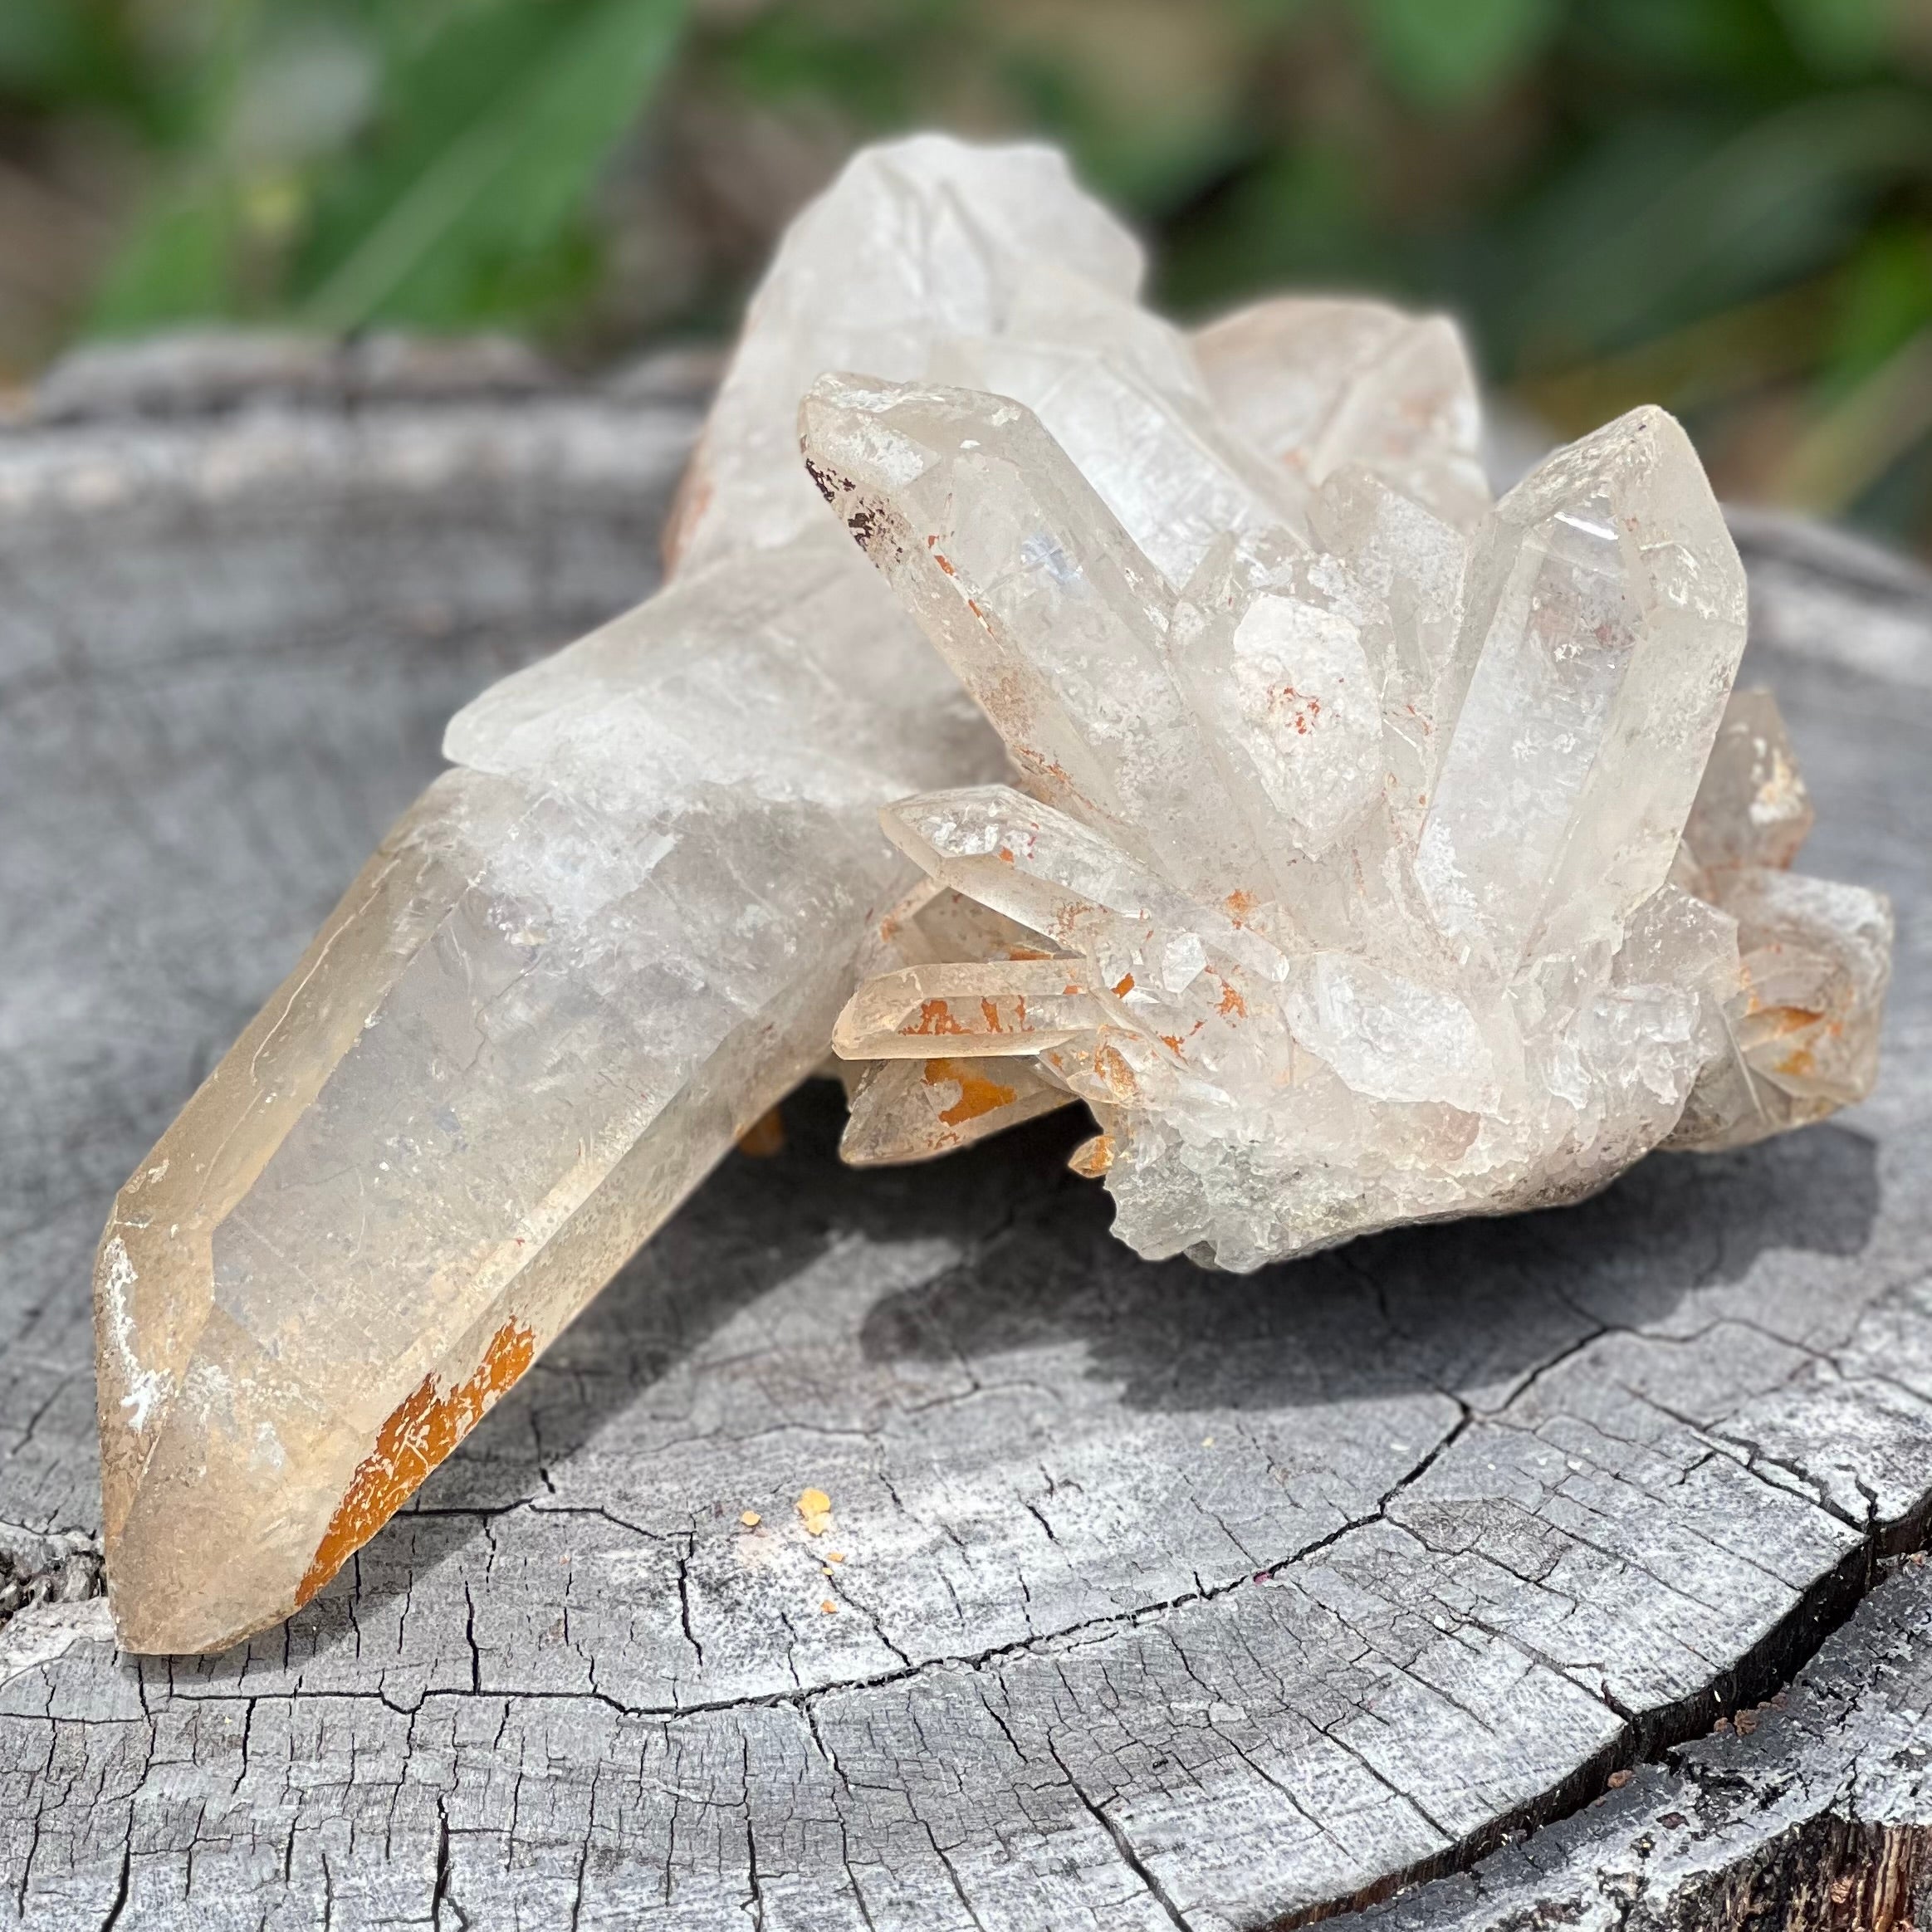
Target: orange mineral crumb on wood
(977,1094)
(418,1434)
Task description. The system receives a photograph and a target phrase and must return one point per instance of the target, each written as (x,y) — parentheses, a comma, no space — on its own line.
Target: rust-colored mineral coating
(978,1096)
(422,1431)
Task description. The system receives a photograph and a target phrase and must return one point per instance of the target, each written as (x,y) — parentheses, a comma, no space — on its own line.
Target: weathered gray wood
(1167,1598)
(1811,1813)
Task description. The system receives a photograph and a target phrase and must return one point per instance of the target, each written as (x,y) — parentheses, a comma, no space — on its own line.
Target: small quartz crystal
(1375,854)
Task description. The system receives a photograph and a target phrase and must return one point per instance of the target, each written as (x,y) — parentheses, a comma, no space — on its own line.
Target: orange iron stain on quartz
(423,1430)
(1092,1158)
(977,1094)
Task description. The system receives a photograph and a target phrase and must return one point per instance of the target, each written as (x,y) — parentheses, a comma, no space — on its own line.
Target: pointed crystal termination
(1605,621)
(1319,384)
(590,956)
(1403,861)
(1792,1020)
(1066,653)
(907,1109)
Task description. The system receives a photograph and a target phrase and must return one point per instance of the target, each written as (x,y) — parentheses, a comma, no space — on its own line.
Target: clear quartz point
(1411,857)
(912,1108)
(1320,383)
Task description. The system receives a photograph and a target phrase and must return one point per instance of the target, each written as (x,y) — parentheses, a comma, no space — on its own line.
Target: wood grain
(1166,1598)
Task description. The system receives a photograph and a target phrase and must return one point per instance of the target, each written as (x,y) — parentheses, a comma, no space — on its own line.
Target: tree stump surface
(1166,1598)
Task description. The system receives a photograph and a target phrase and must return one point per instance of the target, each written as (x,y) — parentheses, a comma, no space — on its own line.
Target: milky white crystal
(1377,854)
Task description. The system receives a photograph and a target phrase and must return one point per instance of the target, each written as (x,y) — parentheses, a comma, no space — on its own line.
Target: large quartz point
(1397,857)
(612,936)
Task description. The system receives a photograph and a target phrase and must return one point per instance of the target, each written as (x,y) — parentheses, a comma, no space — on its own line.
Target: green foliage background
(1723,205)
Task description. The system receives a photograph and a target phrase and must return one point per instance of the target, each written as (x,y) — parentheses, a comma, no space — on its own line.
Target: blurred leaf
(1750,345)
(1733,43)
(62,51)
(181,259)
(1147,95)
(1884,294)
(1634,254)
(1446,52)
(179,265)
(1301,217)
(1853,443)
(866,61)
(1839,36)
(497,131)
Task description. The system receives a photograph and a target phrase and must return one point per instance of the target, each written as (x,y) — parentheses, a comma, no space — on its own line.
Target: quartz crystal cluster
(1344,876)
(1376,854)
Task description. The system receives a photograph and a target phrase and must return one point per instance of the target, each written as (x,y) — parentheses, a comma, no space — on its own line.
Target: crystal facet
(1408,856)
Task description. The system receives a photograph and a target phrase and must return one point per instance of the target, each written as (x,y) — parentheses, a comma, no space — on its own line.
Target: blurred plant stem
(1703,365)
(1851,444)
(514,171)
